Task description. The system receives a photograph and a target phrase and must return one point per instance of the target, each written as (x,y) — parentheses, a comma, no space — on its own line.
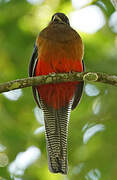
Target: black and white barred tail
(56,127)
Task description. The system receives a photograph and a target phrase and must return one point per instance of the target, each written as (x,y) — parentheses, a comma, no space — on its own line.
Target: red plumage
(58,94)
(58,49)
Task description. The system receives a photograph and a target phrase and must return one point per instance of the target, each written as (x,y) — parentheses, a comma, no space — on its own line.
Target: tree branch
(57,78)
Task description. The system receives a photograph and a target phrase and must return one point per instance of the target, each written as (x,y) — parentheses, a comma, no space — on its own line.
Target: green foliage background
(20,22)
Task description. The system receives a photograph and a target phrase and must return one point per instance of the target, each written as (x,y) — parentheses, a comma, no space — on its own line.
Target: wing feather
(32,66)
(78,92)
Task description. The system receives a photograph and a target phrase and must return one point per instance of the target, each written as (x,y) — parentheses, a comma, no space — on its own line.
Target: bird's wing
(78,92)
(32,66)
(33,61)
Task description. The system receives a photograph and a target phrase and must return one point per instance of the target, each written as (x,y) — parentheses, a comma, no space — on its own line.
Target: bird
(58,49)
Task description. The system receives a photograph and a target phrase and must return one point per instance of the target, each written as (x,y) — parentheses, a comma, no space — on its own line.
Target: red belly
(57,95)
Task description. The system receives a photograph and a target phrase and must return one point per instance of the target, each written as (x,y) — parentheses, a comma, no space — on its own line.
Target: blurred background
(92,140)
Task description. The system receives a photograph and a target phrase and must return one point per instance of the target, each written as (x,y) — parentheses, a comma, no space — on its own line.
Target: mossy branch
(57,78)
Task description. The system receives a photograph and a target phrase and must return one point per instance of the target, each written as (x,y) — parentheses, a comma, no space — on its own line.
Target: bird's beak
(57,18)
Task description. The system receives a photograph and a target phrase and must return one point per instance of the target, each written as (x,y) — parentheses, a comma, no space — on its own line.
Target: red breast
(60,50)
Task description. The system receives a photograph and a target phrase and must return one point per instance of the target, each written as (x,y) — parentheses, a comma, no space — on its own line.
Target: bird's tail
(56,126)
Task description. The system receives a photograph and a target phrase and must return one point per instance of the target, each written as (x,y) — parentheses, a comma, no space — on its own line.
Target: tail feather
(56,126)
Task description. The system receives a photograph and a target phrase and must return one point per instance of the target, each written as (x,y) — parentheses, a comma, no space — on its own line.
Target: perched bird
(58,49)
